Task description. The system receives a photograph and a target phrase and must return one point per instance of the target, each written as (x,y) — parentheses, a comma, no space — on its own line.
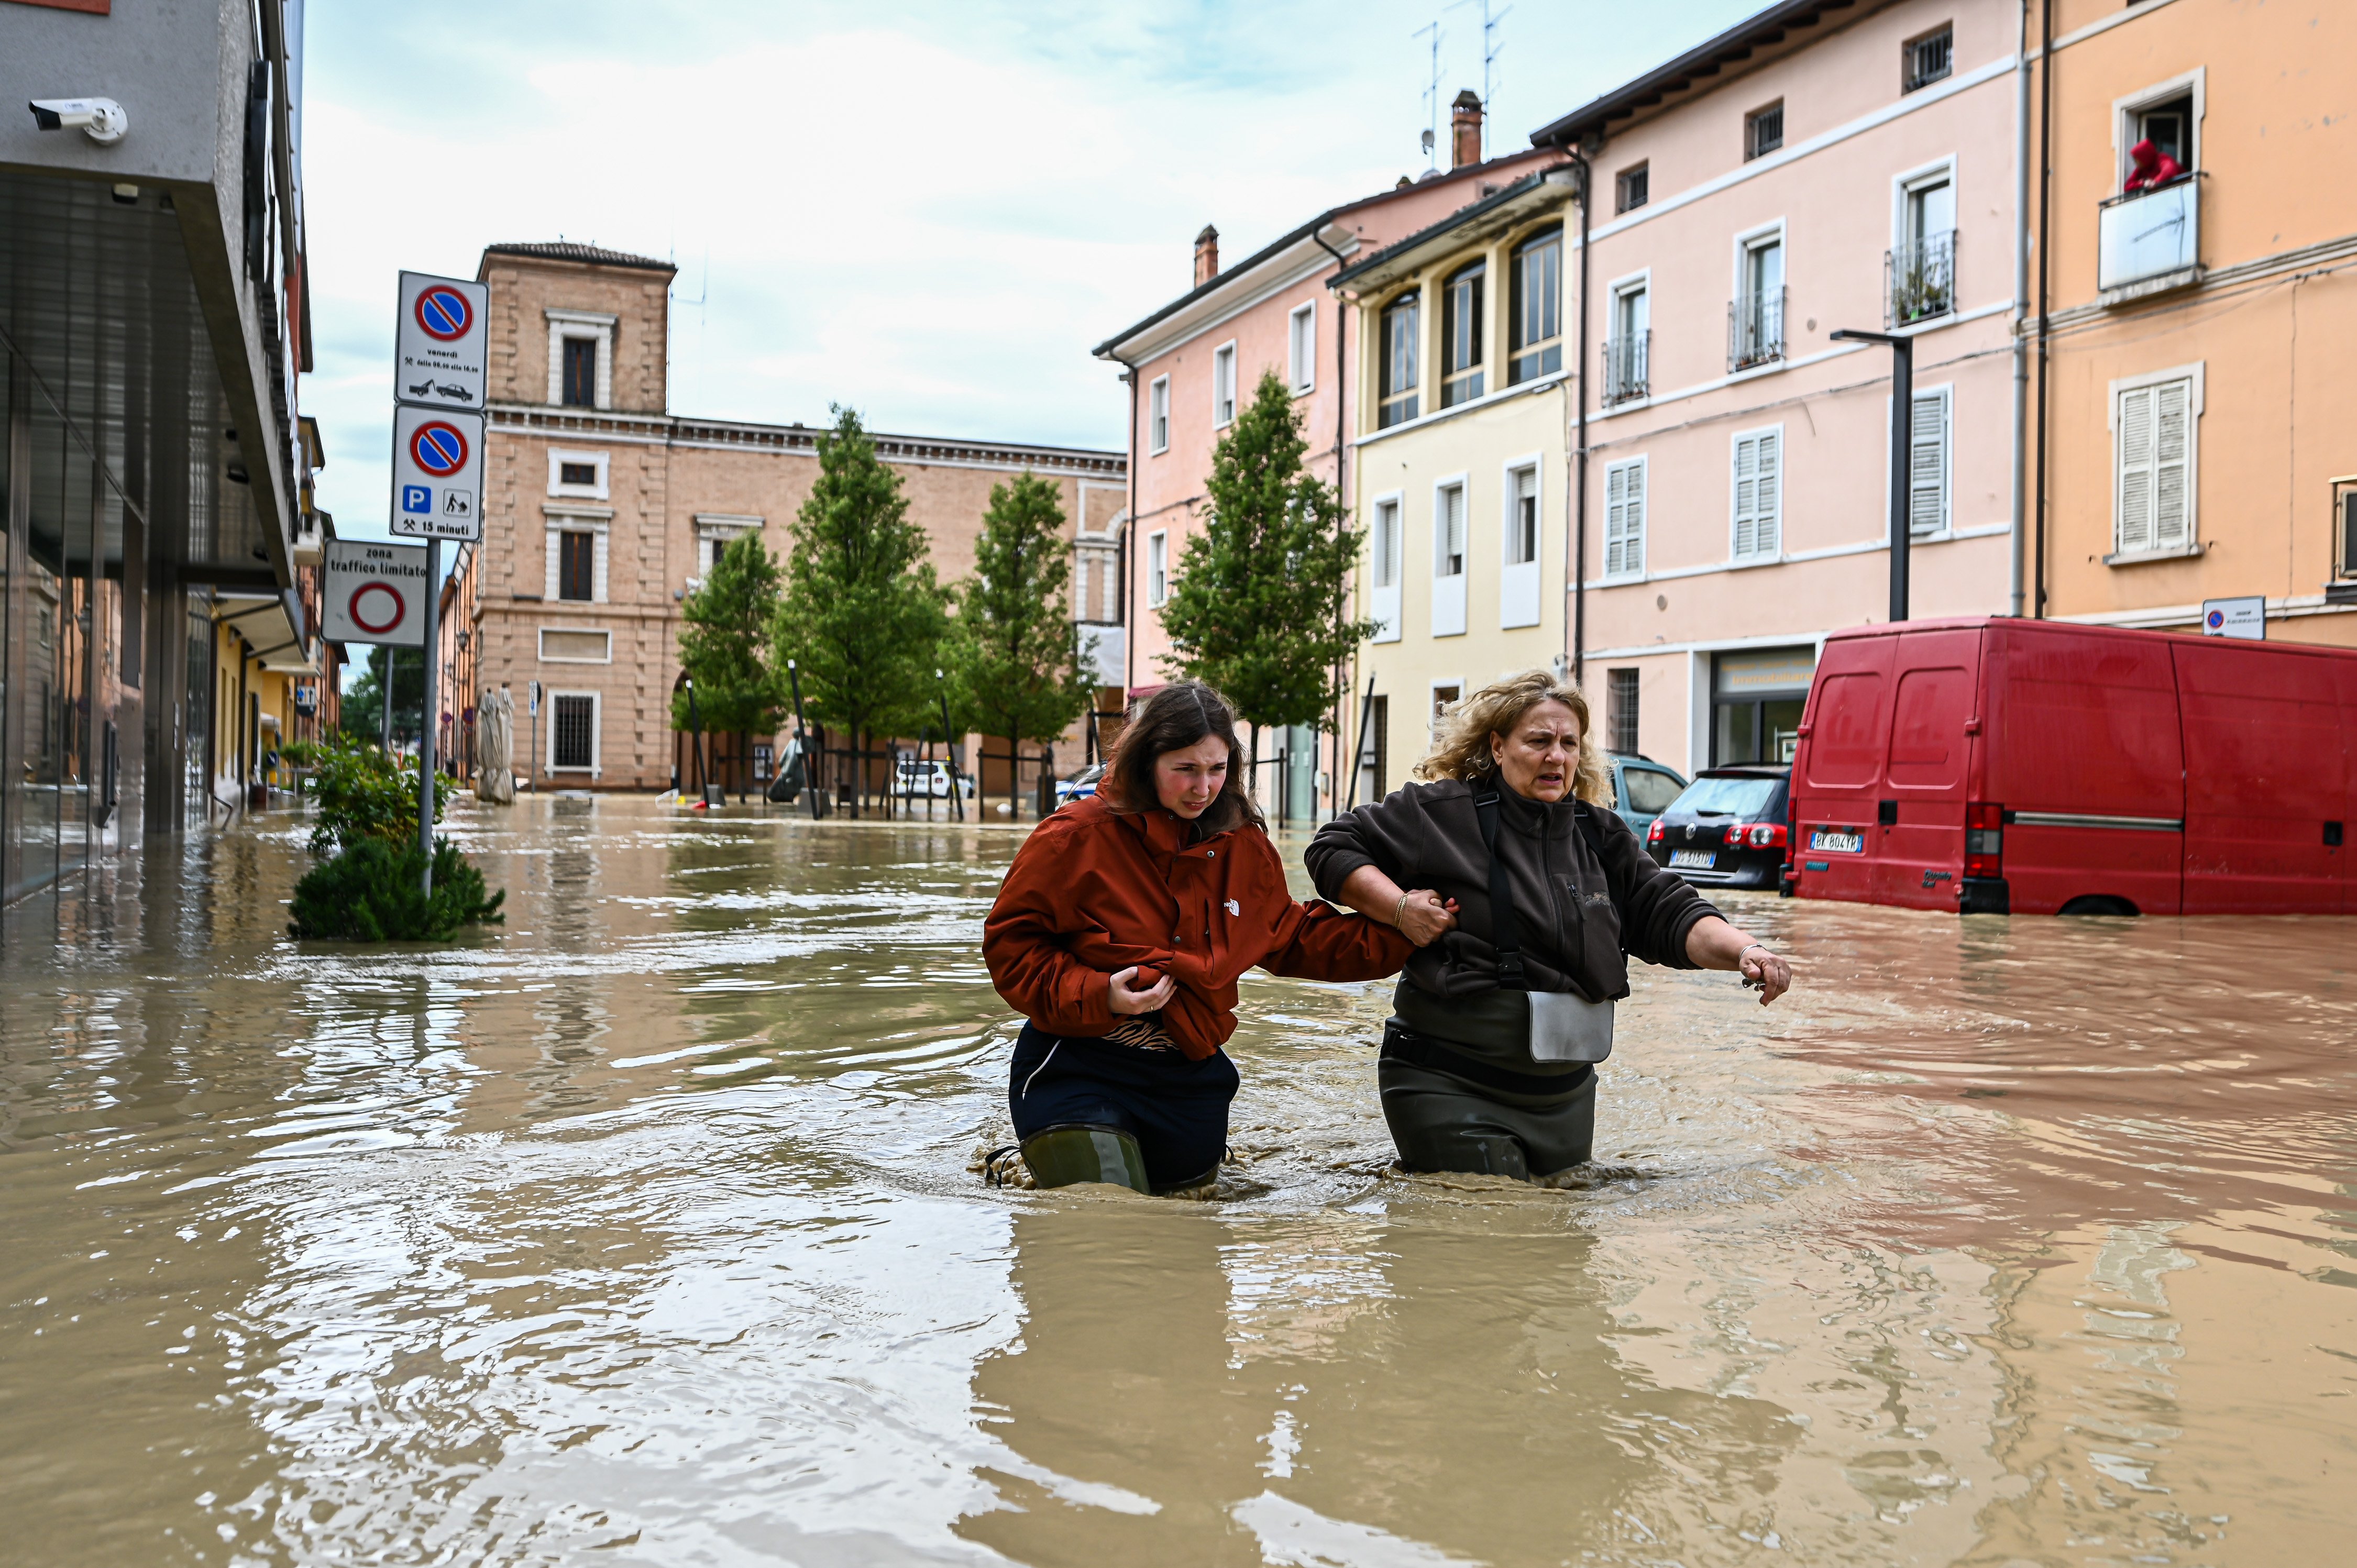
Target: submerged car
(1729,829)
(1642,789)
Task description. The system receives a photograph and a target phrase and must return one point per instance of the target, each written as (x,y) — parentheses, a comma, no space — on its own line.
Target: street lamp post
(1902,442)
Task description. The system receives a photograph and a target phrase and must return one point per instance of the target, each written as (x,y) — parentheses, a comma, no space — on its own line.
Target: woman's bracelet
(1401,913)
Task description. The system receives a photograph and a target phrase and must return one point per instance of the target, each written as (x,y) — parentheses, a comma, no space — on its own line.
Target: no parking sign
(439,337)
(438,473)
(375,593)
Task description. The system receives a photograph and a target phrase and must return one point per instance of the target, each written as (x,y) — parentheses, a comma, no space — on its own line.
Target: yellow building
(1464,416)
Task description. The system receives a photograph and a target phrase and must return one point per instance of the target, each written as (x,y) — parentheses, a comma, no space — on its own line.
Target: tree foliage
(861,612)
(362,713)
(1013,651)
(723,644)
(373,892)
(364,794)
(1258,607)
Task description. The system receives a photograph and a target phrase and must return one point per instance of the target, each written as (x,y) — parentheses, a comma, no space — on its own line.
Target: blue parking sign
(417,499)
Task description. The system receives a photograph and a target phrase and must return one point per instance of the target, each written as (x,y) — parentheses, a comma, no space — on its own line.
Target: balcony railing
(1920,280)
(1624,367)
(2148,234)
(1755,331)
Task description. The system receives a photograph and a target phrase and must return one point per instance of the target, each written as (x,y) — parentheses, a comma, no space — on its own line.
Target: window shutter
(2172,498)
(556,550)
(1771,538)
(1927,486)
(597,558)
(1747,496)
(1624,518)
(2136,470)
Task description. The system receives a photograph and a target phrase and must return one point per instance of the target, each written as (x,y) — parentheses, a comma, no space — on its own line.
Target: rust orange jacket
(1094,891)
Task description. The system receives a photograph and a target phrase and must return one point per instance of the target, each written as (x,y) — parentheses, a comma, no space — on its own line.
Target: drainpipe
(2045,231)
(1578,627)
(2020,539)
(1128,537)
(1342,450)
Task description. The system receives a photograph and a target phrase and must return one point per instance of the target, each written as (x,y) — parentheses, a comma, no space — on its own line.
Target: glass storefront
(1757,697)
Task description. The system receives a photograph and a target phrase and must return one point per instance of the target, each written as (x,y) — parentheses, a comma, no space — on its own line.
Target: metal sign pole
(949,751)
(425,725)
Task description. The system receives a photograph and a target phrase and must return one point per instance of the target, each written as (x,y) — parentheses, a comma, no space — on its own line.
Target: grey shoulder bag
(1564,1026)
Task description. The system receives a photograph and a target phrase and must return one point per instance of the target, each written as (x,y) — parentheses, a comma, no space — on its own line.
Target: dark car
(1727,830)
(1642,787)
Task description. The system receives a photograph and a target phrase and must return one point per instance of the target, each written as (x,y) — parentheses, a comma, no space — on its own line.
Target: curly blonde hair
(1463,749)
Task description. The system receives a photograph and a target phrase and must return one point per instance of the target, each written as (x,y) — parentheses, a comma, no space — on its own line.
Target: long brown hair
(1462,751)
(1173,719)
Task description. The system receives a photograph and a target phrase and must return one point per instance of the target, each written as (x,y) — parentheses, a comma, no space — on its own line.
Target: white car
(1081,785)
(921,780)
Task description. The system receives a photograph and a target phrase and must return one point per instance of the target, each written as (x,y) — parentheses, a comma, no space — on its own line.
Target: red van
(1997,766)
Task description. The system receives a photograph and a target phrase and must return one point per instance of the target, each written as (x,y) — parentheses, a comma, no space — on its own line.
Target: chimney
(1465,130)
(1207,255)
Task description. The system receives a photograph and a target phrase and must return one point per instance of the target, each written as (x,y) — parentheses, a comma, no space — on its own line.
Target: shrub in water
(363,793)
(370,893)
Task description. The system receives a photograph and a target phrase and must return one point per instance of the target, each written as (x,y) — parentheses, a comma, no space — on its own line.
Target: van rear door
(1917,852)
(2267,768)
(1837,770)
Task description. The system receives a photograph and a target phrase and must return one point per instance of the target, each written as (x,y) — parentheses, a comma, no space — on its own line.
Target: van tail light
(1983,840)
(1656,832)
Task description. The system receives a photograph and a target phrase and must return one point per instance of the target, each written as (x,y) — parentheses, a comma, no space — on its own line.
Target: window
(580,388)
(577,473)
(1373,745)
(1460,335)
(2153,429)
(573,731)
(1445,696)
(1759,495)
(1927,59)
(1223,385)
(2169,127)
(1756,319)
(1398,382)
(581,475)
(1383,553)
(2345,511)
(1523,517)
(1157,415)
(1628,347)
(1763,130)
(1922,266)
(1927,477)
(1449,542)
(1620,710)
(1535,308)
(576,566)
(1301,345)
(1633,187)
(1624,518)
(714,532)
(1157,569)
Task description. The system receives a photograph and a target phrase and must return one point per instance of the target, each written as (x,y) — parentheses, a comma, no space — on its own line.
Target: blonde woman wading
(1530,894)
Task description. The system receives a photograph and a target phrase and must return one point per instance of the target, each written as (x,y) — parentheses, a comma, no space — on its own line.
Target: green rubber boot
(1061,1156)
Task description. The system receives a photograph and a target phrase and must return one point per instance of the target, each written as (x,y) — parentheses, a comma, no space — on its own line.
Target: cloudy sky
(931,212)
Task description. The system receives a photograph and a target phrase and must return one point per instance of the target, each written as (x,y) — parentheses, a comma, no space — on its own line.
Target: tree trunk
(1252,770)
(1014,777)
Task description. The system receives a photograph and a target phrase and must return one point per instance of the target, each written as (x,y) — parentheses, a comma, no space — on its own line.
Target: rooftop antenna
(1491,50)
(1431,92)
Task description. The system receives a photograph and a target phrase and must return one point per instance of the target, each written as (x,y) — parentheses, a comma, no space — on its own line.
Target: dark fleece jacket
(1578,915)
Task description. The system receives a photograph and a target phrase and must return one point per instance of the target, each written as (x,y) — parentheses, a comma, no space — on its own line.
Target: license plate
(1838,844)
(1694,859)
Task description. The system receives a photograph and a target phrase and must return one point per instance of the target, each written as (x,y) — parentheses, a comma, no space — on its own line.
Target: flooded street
(642,1232)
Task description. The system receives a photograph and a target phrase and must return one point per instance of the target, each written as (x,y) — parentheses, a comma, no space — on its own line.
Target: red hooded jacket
(1093,891)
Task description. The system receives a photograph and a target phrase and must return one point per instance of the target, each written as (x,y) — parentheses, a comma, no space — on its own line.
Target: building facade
(2197,423)
(602,510)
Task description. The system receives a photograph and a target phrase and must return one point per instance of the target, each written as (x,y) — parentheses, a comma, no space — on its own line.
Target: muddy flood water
(643,1232)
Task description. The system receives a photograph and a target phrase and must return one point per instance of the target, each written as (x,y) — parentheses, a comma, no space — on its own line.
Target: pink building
(1821,166)
(1192,363)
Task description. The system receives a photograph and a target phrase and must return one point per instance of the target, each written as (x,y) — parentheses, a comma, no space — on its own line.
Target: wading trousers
(1176,1109)
(1442,1120)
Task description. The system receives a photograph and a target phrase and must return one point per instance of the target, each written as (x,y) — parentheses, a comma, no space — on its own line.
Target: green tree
(861,613)
(362,714)
(1258,607)
(722,647)
(1013,651)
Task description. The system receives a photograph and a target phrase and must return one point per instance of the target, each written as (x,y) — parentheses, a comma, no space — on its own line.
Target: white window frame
(1301,348)
(1946,393)
(1615,291)
(545,656)
(1449,592)
(716,532)
(2125,108)
(596,491)
(1520,601)
(1753,238)
(1384,599)
(1157,569)
(2192,545)
(1755,556)
(596,733)
(577,519)
(590,324)
(1432,717)
(1642,464)
(1223,384)
(1904,185)
(1158,416)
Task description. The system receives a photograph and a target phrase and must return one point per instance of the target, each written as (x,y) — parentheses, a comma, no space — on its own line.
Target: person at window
(1538,891)
(1119,935)
(2151,168)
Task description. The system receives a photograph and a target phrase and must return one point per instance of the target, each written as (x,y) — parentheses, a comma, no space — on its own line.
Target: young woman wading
(1537,891)
(1119,934)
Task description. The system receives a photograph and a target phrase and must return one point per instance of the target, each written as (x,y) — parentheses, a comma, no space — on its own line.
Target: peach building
(1821,166)
(1189,363)
(602,509)
(2196,436)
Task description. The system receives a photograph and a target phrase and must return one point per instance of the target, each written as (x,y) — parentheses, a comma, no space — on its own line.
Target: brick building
(602,510)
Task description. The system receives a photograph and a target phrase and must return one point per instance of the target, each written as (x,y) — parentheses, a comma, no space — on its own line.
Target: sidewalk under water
(641,1231)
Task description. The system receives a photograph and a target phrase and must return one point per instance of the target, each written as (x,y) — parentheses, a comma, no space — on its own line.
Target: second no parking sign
(438,473)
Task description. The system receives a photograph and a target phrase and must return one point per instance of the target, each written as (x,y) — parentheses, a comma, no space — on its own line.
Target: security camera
(101,119)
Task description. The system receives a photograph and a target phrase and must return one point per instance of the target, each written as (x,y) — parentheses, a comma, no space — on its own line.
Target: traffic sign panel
(439,343)
(438,473)
(375,593)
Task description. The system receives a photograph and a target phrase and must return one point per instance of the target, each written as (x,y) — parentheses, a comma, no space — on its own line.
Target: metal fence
(1624,367)
(1920,280)
(1755,330)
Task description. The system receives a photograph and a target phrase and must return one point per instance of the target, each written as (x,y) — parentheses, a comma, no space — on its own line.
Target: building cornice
(794,440)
